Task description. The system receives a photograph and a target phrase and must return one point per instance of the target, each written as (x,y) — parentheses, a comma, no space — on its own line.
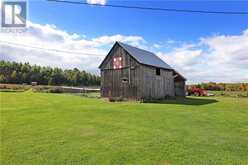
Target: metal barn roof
(145,57)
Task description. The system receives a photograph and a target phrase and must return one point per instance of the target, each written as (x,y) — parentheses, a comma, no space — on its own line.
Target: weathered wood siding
(180,88)
(156,86)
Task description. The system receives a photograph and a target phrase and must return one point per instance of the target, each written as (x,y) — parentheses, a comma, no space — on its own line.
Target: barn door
(124,86)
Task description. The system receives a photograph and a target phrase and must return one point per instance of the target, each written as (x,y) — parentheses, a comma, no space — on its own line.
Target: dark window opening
(158,71)
(124,80)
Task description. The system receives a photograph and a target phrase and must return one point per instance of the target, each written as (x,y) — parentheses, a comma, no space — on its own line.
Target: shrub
(56,90)
(14,87)
(116,99)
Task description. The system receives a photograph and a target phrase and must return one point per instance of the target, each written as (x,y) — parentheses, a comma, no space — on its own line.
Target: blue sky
(202,47)
(155,26)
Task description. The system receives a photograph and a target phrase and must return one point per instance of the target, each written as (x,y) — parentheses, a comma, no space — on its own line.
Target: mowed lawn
(40,128)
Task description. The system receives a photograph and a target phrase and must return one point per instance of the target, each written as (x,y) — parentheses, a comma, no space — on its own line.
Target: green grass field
(43,128)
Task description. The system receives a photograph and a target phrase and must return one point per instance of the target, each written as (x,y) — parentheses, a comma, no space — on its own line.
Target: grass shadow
(11,90)
(184,101)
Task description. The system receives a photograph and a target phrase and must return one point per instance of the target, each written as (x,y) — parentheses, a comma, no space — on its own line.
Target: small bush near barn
(116,99)
(56,90)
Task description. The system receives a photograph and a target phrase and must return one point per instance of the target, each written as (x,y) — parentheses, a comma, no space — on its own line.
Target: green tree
(13,72)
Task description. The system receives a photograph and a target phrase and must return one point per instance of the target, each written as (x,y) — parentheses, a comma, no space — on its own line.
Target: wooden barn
(134,73)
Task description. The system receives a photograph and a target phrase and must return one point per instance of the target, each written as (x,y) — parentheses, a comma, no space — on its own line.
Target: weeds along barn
(134,73)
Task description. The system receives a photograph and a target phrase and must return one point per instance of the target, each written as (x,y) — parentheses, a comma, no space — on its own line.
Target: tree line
(19,73)
(223,86)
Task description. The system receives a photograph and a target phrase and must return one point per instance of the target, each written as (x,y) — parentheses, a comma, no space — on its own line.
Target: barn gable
(116,51)
(140,55)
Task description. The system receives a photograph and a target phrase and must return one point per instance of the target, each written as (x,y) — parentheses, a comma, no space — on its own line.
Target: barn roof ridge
(144,56)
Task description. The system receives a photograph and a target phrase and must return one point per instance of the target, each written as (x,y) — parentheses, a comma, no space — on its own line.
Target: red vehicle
(196,91)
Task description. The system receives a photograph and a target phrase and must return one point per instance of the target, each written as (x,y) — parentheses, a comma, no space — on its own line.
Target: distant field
(48,88)
(230,93)
(44,128)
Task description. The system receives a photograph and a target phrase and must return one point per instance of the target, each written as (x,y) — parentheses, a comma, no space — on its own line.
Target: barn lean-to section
(129,72)
(179,84)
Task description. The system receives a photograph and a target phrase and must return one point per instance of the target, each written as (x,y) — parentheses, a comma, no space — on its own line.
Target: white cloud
(73,49)
(157,46)
(183,56)
(101,2)
(231,51)
(215,58)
